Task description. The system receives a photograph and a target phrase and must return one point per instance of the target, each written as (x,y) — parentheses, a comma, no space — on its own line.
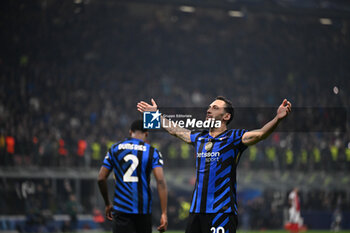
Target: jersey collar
(219,135)
(211,138)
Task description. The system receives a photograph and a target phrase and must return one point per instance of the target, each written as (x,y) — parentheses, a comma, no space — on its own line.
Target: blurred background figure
(295,223)
(72,211)
(337,217)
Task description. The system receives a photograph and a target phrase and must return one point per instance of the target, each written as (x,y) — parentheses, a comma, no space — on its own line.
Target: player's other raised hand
(142,106)
(284,109)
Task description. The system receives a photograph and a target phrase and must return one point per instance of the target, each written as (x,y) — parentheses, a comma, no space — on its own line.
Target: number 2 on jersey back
(128,174)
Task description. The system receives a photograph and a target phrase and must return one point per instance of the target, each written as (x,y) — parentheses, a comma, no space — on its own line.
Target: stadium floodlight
(236,14)
(187,9)
(335,90)
(326,21)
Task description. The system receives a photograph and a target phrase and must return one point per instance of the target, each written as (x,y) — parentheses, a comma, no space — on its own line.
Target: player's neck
(216,131)
(138,136)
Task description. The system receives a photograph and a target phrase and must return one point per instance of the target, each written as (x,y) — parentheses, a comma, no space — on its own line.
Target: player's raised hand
(108,211)
(163,223)
(142,106)
(284,109)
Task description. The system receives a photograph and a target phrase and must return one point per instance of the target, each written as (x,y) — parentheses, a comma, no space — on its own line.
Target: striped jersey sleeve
(157,159)
(237,139)
(107,162)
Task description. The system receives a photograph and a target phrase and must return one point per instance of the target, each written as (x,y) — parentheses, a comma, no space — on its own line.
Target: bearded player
(214,202)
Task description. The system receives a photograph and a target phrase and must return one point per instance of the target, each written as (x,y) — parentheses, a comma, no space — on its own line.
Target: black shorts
(132,223)
(212,223)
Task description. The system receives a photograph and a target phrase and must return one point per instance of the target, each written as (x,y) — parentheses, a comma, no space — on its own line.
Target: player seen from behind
(132,161)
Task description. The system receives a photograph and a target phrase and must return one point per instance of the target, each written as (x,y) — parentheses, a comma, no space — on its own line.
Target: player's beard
(217,118)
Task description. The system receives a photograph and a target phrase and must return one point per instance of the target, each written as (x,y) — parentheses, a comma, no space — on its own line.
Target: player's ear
(146,134)
(227,116)
(130,132)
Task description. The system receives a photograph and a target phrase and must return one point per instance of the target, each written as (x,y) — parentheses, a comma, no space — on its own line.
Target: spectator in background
(72,211)
(2,147)
(10,150)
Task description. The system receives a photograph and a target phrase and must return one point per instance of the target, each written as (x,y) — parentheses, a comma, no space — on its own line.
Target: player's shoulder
(150,147)
(202,133)
(116,146)
(236,132)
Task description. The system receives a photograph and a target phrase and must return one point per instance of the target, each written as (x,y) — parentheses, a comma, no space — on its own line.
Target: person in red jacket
(10,149)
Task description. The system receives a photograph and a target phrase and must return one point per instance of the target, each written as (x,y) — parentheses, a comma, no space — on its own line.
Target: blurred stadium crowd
(71,79)
(72,74)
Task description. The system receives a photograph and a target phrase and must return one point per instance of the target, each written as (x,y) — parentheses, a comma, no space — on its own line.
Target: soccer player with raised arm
(218,150)
(132,161)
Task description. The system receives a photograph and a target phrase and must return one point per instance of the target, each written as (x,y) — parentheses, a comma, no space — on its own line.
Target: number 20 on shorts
(217,230)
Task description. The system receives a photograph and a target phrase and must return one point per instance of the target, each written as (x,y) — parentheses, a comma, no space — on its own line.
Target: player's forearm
(163,195)
(173,130)
(180,132)
(102,184)
(269,127)
(255,136)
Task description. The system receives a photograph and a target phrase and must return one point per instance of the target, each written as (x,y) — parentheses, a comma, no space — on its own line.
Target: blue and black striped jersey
(216,162)
(132,161)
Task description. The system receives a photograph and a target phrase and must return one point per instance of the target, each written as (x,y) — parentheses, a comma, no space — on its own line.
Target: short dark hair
(137,126)
(228,107)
